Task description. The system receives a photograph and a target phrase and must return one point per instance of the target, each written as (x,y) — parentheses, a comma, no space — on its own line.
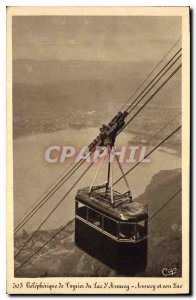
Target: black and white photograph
(99,150)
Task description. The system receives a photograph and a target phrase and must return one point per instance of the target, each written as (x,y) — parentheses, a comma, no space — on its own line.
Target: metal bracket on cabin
(107,138)
(109,132)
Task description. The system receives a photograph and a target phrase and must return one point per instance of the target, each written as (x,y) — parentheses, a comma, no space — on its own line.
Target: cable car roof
(127,212)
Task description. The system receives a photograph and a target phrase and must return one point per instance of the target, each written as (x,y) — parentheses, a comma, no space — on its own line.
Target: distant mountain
(165,228)
(163,186)
(32,72)
(62,258)
(53,95)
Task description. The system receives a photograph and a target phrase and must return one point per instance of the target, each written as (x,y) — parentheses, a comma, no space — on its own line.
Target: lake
(33,175)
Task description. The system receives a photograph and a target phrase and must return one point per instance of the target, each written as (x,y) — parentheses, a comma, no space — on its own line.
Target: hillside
(62,258)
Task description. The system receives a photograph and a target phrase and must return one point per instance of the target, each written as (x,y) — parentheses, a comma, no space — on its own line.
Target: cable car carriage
(110,226)
(117,236)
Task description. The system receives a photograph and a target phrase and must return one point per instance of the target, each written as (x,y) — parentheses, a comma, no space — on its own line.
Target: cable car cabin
(117,236)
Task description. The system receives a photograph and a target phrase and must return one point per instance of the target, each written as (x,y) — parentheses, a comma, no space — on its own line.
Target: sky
(131,39)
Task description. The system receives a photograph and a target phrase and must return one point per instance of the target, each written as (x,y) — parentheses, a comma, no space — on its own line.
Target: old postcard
(98,150)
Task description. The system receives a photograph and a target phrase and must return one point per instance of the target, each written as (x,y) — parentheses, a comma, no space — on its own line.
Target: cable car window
(127,231)
(81,210)
(110,226)
(95,218)
(141,229)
